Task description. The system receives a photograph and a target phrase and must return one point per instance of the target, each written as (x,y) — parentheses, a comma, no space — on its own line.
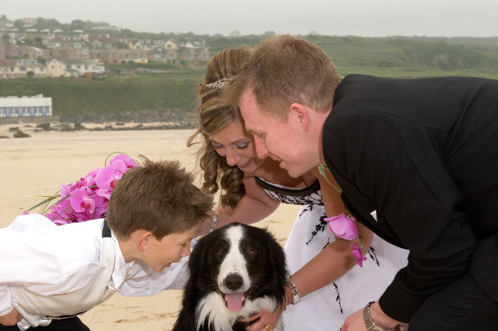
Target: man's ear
(299,112)
(143,240)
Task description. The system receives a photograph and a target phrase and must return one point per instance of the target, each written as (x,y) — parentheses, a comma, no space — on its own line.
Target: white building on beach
(26,106)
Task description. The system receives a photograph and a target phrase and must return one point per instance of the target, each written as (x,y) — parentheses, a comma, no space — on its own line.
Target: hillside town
(26,51)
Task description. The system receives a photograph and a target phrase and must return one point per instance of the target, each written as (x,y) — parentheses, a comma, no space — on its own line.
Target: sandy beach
(35,166)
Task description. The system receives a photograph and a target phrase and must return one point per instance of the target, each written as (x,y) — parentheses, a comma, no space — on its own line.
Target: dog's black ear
(186,320)
(277,257)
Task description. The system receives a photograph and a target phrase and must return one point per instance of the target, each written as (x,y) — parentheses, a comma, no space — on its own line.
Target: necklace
(321,169)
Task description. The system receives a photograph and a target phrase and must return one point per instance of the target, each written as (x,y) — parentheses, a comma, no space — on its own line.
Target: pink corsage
(345,227)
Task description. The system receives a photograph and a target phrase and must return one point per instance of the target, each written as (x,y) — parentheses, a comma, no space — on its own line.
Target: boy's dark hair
(159,197)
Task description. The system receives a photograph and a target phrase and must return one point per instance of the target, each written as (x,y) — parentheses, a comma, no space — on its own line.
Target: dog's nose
(233,282)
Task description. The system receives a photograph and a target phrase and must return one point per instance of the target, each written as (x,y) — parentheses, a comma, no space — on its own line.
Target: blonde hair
(214,114)
(284,70)
(159,197)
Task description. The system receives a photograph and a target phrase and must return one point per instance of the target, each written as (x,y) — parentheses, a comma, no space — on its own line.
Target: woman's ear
(299,113)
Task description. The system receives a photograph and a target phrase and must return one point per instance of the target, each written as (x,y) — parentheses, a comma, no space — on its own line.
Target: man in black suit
(416,161)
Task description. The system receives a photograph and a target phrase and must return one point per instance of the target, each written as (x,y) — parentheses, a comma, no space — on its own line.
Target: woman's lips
(245,164)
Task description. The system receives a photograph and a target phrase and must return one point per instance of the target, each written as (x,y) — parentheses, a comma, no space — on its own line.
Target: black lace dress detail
(308,197)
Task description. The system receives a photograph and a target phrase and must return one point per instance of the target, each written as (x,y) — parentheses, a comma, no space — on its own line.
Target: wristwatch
(296,296)
(367,318)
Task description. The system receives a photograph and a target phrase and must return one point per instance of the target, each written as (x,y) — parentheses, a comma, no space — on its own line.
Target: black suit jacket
(422,154)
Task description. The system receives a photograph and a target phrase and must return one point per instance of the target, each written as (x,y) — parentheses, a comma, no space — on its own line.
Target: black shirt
(423,154)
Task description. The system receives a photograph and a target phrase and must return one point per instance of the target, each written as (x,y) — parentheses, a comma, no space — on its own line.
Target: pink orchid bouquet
(346,227)
(87,198)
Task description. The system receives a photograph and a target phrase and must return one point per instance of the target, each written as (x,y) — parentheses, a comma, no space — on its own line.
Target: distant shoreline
(24,127)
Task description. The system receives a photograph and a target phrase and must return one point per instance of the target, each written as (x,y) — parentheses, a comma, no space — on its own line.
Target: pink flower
(81,202)
(88,198)
(357,254)
(343,226)
(107,178)
(125,159)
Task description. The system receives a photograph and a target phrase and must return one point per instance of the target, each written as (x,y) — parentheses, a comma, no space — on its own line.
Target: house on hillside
(119,55)
(73,68)
(170,44)
(194,54)
(159,55)
(22,68)
(56,68)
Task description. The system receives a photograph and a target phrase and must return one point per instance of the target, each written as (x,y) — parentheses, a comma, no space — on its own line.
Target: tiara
(219,84)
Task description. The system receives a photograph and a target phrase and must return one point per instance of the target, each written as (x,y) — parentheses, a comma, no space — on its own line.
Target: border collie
(235,271)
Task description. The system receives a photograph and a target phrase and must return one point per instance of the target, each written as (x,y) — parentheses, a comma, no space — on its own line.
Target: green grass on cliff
(174,86)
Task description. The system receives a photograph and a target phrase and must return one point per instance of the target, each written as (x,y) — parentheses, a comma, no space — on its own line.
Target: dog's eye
(252,252)
(218,252)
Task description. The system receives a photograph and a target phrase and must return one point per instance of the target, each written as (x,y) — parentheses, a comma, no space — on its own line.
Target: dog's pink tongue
(234,301)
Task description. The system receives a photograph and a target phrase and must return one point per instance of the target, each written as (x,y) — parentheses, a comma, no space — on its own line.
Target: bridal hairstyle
(214,114)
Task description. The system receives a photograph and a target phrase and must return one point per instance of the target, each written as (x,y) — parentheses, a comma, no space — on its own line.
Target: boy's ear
(299,113)
(143,240)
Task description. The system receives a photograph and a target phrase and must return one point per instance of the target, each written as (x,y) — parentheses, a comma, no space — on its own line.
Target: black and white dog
(235,271)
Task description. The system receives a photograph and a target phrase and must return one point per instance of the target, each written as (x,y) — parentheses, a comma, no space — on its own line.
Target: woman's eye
(243,145)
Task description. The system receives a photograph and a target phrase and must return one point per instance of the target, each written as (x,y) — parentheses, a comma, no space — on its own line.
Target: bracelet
(367,318)
(296,296)
(213,222)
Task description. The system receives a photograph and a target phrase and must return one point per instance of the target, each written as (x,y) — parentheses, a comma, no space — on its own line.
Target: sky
(367,18)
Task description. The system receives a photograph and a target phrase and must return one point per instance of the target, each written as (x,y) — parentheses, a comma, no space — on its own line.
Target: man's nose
(261,150)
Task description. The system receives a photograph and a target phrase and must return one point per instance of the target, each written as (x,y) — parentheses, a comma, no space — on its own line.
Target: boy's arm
(8,314)
(11,318)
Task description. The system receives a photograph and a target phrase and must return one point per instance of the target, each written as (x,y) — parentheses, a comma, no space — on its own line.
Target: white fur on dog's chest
(213,309)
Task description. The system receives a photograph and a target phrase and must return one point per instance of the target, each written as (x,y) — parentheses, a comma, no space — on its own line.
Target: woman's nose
(232,157)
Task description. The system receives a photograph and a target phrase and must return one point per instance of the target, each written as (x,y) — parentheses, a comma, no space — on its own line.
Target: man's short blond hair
(285,70)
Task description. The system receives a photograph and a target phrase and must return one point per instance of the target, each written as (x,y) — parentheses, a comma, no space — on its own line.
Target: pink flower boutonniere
(87,198)
(357,254)
(346,227)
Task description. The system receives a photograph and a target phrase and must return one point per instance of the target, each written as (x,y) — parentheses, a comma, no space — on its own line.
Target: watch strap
(367,318)
(296,296)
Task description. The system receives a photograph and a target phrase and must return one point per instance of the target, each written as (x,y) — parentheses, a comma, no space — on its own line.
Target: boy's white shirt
(51,260)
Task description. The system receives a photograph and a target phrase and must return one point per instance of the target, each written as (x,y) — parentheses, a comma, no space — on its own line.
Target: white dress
(327,308)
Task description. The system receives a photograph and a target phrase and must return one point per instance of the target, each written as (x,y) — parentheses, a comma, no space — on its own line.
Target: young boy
(49,274)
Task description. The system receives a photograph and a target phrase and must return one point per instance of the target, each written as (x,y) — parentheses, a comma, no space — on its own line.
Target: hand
(11,318)
(355,321)
(264,320)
